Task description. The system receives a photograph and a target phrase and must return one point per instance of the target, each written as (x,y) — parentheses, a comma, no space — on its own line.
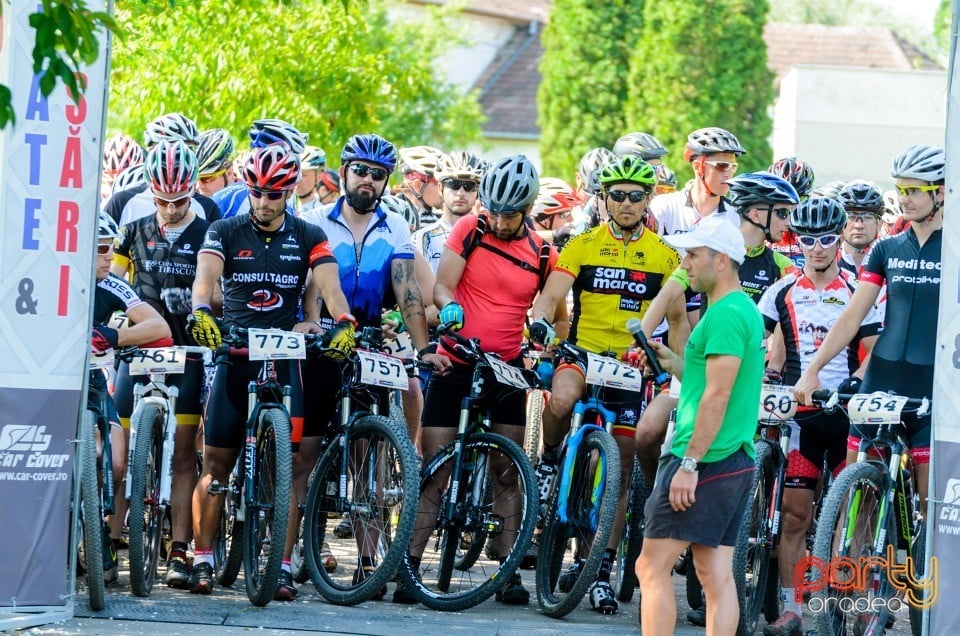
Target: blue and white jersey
(365,268)
(234,200)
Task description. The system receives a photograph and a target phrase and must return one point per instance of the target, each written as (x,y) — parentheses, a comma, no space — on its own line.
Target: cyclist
(261,288)
(909,264)
(459,175)
(161,251)
(641,144)
(214,155)
(800,175)
(804,304)
(376,262)
(328,186)
(712,152)
(590,213)
(419,165)
(863,202)
(493,266)
(615,270)
(313,162)
(891,213)
(666,180)
(119,153)
(137,201)
(113,294)
(554,207)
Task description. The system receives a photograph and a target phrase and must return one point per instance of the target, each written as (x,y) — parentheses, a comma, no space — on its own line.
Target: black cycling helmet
(511,186)
(639,144)
(760,189)
(817,216)
(797,172)
(862,195)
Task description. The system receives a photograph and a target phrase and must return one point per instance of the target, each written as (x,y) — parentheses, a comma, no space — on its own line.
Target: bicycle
(153,424)
(583,503)
(872,519)
(473,482)
(628,551)
(369,472)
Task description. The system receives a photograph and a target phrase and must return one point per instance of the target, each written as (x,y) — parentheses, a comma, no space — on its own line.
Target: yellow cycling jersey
(613,282)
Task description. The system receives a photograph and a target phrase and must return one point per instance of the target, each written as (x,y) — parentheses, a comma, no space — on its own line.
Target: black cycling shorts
(322,380)
(190,383)
(814,434)
(441,406)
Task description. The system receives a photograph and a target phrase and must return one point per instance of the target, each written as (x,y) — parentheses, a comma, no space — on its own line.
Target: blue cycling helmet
(369,147)
(757,189)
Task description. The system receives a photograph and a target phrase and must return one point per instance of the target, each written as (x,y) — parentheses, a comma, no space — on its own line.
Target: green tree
(331,70)
(586,49)
(942,23)
(699,64)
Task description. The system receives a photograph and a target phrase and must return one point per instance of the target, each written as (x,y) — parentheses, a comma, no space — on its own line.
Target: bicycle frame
(578,431)
(778,434)
(99,411)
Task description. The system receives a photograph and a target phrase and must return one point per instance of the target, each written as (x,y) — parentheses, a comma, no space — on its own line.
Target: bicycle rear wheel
(92,515)
(146,515)
(918,553)
(265,523)
(531,434)
(228,544)
(381,499)
(751,558)
(632,541)
(848,520)
(571,549)
(512,504)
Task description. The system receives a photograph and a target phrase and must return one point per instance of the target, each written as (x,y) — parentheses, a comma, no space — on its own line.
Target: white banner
(49,175)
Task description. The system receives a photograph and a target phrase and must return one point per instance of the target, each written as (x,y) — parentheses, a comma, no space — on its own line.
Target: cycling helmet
(708,141)
(628,169)
(171,167)
(171,127)
(797,172)
(555,196)
(891,206)
(760,189)
(265,132)
(511,186)
(398,204)
(666,177)
(830,189)
(313,158)
(132,177)
(107,228)
(920,162)
(423,159)
(275,167)
(862,195)
(588,171)
(818,215)
(216,147)
(639,144)
(120,152)
(459,164)
(369,147)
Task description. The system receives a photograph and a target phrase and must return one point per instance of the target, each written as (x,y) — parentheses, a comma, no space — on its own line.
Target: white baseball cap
(714,232)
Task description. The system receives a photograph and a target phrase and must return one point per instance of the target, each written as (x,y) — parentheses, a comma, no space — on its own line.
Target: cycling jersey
(113,294)
(675,212)
(788,247)
(234,201)
(805,315)
(300,207)
(365,268)
(264,272)
(137,202)
(612,283)
(760,269)
(163,270)
(429,241)
(846,262)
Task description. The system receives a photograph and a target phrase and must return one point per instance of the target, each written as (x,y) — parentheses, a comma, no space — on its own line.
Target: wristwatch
(689,465)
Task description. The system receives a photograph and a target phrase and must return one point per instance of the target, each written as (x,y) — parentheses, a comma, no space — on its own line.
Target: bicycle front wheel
(849,521)
(381,501)
(146,515)
(571,548)
(90,509)
(632,541)
(265,523)
(507,514)
(751,559)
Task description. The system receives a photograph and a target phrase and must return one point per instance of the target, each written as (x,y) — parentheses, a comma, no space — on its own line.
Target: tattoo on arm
(406,288)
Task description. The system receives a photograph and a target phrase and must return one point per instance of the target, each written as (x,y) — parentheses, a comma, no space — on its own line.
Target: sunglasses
(457,184)
(781,213)
(635,197)
(826,241)
(271,195)
(378,174)
(171,203)
(723,166)
(104,249)
(907,191)
(213,176)
(864,217)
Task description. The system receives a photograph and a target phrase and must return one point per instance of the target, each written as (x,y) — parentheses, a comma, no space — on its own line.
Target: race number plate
(609,372)
(274,344)
(379,370)
(163,360)
(401,348)
(875,409)
(776,403)
(505,374)
(101,360)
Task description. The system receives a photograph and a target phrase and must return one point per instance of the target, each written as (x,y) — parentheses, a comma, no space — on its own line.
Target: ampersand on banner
(25,302)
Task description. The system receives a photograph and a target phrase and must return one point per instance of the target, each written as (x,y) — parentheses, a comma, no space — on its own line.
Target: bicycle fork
(578,432)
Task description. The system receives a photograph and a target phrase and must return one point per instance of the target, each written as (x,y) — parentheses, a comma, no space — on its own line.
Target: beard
(362,202)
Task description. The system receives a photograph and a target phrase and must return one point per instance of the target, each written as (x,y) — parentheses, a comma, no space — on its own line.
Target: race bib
(505,374)
(776,403)
(401,348)
(875,409)
(101,360)
(377,369)
(274,344)
(163,360)
(605,371)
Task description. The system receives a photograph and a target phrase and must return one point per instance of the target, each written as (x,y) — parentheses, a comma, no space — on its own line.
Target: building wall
(849,123)
(495,148)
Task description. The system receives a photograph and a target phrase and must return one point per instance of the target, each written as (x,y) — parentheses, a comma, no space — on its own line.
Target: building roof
(513,10)
(508,87)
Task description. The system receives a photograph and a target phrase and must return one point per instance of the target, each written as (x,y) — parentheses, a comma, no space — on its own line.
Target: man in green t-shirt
(703,483)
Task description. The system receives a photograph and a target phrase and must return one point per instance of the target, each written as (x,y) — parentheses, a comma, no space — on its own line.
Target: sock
(790,603)
(285,565)
(180,546)
(202,556)
(606,565)
(550,454)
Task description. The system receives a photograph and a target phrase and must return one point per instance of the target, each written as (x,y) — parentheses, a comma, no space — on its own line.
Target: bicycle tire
(918,553)
(531,435)
(228,544)
(475,585)
(632,541)
(390,509)
(751,556)
(145,517)
(556,535)
(265,523)
(864,481)
(693,588)
(92,516)
(298,563)
(772,603)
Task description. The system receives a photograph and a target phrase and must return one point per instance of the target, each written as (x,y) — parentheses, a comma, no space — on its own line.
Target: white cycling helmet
(423,159)
(171,127)
(922,162)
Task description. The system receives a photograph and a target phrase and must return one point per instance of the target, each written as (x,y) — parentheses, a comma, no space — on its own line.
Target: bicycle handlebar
(831,399)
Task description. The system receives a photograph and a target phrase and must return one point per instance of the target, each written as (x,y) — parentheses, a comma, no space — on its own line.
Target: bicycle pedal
(215,488)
